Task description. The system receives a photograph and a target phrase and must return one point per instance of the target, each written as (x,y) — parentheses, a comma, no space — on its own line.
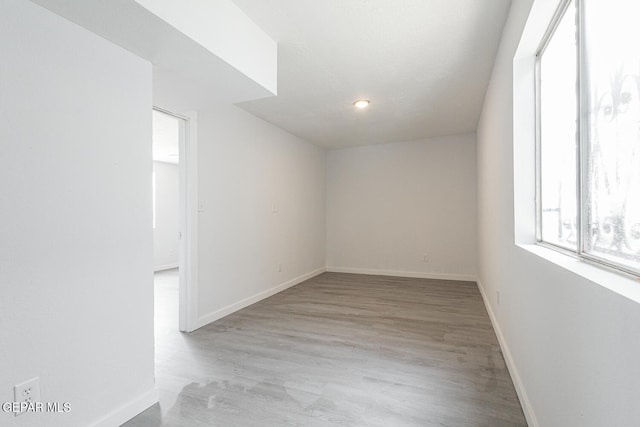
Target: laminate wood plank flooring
(336,350)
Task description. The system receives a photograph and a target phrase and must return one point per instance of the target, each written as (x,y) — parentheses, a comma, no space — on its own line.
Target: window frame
(582,138)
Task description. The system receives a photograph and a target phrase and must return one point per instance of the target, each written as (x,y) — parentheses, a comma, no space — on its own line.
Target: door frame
(187,218)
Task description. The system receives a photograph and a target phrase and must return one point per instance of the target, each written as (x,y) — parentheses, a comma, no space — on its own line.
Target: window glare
(613,170)
(558,104)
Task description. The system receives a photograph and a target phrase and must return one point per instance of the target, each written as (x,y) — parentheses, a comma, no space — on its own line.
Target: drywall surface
(390,204)
(262,204)
(207,52)
(573,346)
(165,233)
(224,30)
(76,307)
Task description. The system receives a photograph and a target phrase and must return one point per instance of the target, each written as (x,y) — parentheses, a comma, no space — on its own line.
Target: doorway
(171,221)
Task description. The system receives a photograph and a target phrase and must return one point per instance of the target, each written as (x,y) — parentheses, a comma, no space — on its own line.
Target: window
(588,121)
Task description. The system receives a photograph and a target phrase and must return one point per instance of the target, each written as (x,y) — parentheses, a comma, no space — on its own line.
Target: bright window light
(588,163)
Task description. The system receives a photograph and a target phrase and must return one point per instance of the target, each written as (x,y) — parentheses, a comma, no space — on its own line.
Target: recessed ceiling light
(172,155)
(361,103)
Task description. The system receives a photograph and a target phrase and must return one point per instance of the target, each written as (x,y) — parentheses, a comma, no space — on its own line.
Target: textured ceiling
(424,64)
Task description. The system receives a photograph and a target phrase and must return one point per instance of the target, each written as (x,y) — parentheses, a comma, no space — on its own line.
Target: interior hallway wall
(262,210)
(165,233)
(76,307)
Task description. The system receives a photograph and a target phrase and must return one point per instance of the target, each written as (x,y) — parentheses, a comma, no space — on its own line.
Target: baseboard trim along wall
(130,410)
(231,308)
(511,365)
(416,274)
(165,267)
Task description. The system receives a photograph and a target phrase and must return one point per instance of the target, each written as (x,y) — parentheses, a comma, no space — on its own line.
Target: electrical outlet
(279,267)
(498,297)
(425,258)
(27,392)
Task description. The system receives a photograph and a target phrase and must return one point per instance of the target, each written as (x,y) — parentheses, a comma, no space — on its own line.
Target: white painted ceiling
(424,64)
(166,138)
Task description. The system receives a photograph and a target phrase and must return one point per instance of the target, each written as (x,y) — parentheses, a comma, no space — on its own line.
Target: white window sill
(618,283)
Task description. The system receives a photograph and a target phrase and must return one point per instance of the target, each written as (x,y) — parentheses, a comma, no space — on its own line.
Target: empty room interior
(319,213)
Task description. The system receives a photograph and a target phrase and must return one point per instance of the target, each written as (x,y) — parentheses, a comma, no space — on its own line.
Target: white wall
(222,28)
(572,345)
(165,234)
(76,302)
(248,167)
(389,204)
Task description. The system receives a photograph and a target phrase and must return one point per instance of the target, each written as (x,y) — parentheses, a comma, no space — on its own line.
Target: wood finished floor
(339,349)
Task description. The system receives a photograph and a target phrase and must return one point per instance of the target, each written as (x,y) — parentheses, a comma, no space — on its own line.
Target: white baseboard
(130,410)
(165,267)
(529,414)
(231,308)
(417,274)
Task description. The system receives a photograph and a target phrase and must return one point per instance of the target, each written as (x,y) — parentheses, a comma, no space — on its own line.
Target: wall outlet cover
(28,392)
